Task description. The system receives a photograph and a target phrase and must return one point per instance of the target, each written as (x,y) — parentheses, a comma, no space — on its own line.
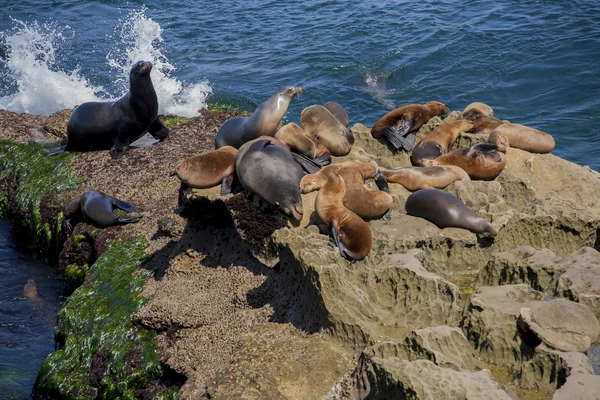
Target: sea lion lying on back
(439,141)
(263,122)
(521,137)
(400,126)
(320,124)
(446,211)
(481,161)
(115,125)
(415,178)
(96,208)
(349,233)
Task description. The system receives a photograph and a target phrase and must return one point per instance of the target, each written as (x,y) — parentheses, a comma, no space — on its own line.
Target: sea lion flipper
(123,205)
(307,163)
(381,182)
(57,150)
(158,130)
(388,215)
(226,185)
(395,134)
(129,220)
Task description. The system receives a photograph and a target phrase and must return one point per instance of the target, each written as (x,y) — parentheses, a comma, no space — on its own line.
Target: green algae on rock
(27,176)
(102,354)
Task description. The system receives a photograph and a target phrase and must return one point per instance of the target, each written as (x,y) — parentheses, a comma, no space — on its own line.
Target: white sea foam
(43,88)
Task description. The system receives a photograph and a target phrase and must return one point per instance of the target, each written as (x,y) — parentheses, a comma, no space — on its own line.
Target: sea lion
(446,211)
(350,234)
(115,125)
(270,171)
(415,178)
(209,169)
(484,108)
(338,112)
(30,290)
(263,122)
(96,208)
(400,126)
(296,139)
(320,124)
(481,161)
(439,141)
(482,123)
(521,137)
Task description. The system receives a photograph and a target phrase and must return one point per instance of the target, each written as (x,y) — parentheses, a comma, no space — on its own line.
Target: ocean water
(534,62)
(26,326)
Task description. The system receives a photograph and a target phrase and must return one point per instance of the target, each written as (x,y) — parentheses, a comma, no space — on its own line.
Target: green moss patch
(172,121)
(29,176)
(103,355)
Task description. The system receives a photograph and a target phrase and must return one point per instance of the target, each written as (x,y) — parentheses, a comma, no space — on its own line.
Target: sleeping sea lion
(209,169)
(415,178)
(115,125)
(263,122)
(297,140)
(521,137)
(446,211)
(96,208)
(400,126)
(338,112)
(482,123)
(484,108)
(320,124)
(269,170)
(481,161)
(439,141)
(350,234)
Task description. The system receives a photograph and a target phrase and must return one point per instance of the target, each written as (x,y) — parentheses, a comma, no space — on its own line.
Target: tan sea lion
(209,169)
(320,124)
(267,169)
(439,141)
(484,108)
(481,161)
(263,122)
(521,137)
(446,211)
(350,234)
(482,123)
(296,139)
(96,208)
(30,290)
(415,178)
(338,112)
(400,126)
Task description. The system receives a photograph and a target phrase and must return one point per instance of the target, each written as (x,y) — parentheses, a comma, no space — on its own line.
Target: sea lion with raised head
(482,123)
(446,211)
(96,208)
(415,178)
(439,141)
(263,122)
(400,126)
(482,161)
(115,125)
(269,170)
(521,137)
(319,123)
(209,169)
(349,233)
(338,112)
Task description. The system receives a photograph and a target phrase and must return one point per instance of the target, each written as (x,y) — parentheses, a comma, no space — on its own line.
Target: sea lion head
(30,290)
(287,93)
(294,210)
(140,69)
(499,140)
(482,107)
(437,108)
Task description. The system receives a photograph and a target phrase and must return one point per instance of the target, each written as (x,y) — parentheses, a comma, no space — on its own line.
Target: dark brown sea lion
(209,169)
(482,123)
(521,137)
(350,234)
(482,161)
(297,140)
(415,178)
(320,124)
(115,125)
(96,208)
(269,170)
(446,211)
(263,122)
(439,141)
(400,126)
(338,112)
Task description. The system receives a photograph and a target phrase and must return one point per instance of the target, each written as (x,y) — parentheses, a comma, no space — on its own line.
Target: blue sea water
(534,62)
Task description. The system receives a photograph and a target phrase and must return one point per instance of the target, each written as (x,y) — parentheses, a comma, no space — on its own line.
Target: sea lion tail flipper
(388,215)
(173,173)
(323,160)
(307,163)
(123,205)
(158,130)
(57,150)
(226,184)
(381,182)
(129,220)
